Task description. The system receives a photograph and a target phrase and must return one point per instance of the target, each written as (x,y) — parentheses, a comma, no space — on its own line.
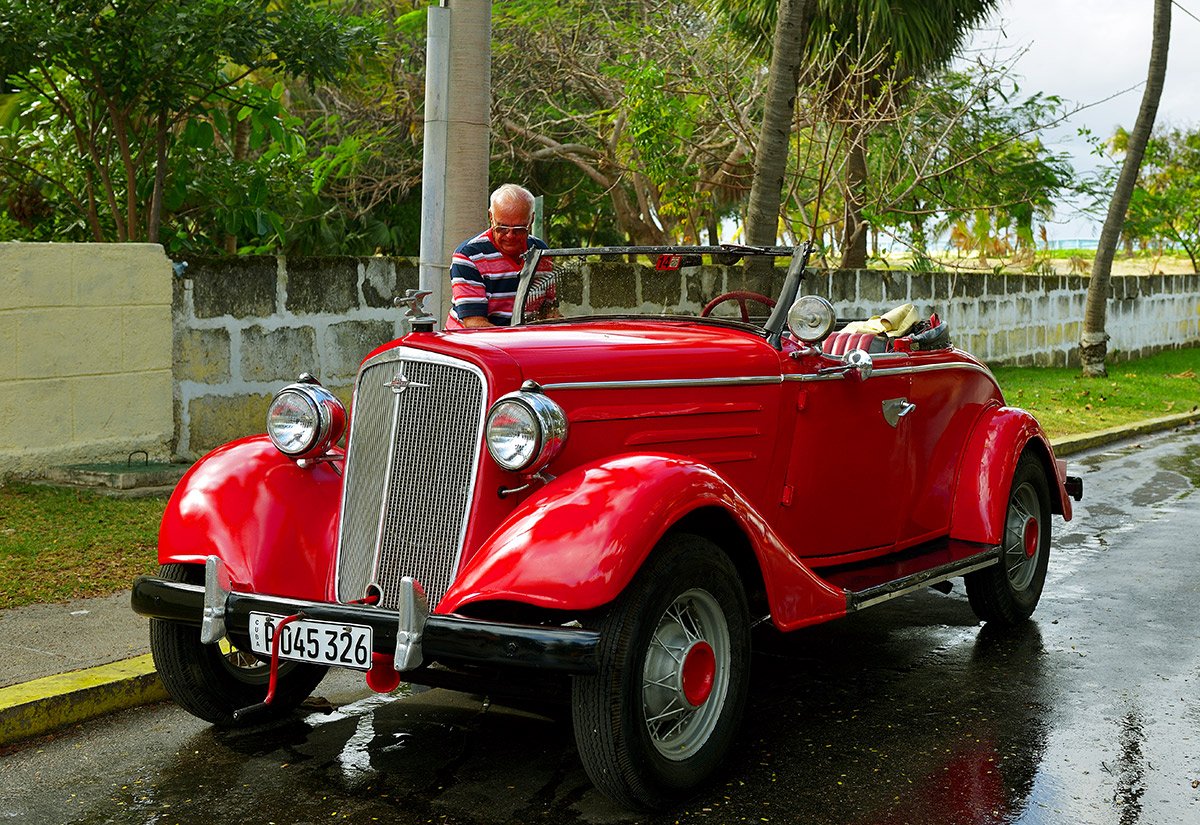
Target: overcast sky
(1086,51)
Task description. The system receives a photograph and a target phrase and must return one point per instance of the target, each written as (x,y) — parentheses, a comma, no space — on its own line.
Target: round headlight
(811,318)
(525,431)
(305,420)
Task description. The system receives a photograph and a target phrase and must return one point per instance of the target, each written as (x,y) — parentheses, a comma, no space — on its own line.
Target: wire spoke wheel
(686,675)
(1022,533)
(664,707)
(1008,592)
(242,664)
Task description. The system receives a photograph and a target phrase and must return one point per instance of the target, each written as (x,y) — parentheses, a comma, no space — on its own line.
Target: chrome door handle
(896,408)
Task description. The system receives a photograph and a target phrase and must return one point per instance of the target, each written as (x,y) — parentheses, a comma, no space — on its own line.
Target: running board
(870,583)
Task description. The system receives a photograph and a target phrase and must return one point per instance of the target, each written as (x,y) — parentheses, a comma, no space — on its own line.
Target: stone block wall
(103,351)
(1027,320)
(85,354)
(1005,319)
(244,327)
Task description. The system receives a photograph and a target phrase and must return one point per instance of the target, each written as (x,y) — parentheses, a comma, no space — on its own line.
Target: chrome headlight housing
(811,318)
(305,420)
(525,431)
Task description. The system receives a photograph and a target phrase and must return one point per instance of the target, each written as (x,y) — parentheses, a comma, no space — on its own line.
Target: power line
(1177,5)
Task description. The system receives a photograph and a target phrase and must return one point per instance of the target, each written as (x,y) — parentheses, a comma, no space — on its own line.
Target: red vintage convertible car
(614,489)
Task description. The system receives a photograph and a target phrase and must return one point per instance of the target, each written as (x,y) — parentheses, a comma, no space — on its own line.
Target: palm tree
(770,158)
(1093,344)
(906,39)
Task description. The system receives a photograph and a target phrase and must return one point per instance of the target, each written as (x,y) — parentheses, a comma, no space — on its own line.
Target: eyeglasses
(500,229)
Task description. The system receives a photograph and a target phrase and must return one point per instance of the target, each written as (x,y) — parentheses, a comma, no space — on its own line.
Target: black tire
(1008,592)
(659,716)
(212,681)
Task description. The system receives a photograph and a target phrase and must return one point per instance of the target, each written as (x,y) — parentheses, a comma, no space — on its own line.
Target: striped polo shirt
(483,281)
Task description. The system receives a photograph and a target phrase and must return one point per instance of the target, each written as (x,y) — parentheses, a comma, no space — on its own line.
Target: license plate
(305,640)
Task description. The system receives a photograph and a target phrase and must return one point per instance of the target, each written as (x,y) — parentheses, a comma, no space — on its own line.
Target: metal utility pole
(454,179)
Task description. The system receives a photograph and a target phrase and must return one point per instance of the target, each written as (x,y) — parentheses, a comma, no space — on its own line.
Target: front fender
(577,544)
(272,522)
(985,473)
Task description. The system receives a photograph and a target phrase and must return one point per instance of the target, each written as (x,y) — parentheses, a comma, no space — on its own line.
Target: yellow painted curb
(44,705)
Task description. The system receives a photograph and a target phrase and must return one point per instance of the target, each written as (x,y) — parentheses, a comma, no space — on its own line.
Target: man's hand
(476,321)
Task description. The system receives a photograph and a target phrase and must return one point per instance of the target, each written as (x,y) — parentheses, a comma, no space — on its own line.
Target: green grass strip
(58,544)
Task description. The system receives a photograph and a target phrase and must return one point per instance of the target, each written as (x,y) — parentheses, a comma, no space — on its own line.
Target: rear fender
(999,439)
(578,543)
(272,522)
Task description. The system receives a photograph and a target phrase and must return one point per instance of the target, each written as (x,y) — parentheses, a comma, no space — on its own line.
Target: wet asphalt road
(907,713)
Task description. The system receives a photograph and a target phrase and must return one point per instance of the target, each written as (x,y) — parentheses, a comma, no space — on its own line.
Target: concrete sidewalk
(61,664)
(64,663)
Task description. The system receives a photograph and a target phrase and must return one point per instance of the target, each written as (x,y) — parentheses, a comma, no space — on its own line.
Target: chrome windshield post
(777,322)
(532,256)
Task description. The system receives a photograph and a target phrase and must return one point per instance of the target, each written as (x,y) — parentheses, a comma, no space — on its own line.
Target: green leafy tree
(114,94)
(364,136)
(638,110)
(794,18)
(905,39)
(1165,205)
(965,155)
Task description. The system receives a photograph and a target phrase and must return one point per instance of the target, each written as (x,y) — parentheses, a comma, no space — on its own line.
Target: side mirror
(856,361)
(859,361)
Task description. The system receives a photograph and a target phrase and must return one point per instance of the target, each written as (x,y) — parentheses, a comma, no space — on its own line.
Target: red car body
(824,488)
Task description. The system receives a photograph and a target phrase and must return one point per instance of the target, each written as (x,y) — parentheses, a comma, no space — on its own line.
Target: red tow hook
(275,654)
(242,713)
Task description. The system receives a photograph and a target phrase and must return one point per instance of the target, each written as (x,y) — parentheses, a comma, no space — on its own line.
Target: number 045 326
(304,640)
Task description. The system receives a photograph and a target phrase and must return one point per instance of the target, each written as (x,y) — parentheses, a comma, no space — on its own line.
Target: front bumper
(411,637)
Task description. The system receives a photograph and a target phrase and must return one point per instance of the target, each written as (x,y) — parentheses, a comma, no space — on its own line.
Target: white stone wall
(1027,319)
(85,353)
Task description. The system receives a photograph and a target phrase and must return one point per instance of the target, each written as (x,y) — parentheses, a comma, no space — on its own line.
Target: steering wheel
(741,296)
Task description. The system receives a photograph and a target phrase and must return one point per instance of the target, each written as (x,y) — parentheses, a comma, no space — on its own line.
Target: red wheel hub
(1031,538)
(698,674)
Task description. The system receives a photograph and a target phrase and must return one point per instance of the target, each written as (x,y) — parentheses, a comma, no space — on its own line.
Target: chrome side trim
(911,369)
(667,383)
(979,368)
(891,590)
(753,380)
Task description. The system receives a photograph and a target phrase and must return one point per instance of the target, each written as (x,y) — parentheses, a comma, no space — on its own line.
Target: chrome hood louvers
(411,465)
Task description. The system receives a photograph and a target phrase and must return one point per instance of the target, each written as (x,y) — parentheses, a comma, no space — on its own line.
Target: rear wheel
(659,716)
(212,681)
(1008,592)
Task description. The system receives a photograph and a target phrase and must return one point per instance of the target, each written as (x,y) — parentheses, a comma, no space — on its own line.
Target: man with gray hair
(486,269)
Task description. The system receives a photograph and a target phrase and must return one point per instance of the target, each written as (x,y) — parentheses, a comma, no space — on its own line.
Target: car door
(849,476)
(949,392)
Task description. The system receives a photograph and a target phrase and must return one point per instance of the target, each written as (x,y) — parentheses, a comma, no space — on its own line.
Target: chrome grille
(410,473)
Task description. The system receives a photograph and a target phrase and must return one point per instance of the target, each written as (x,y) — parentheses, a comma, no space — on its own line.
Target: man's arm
(468,295)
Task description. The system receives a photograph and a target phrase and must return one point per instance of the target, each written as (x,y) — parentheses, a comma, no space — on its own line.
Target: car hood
(610,351)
